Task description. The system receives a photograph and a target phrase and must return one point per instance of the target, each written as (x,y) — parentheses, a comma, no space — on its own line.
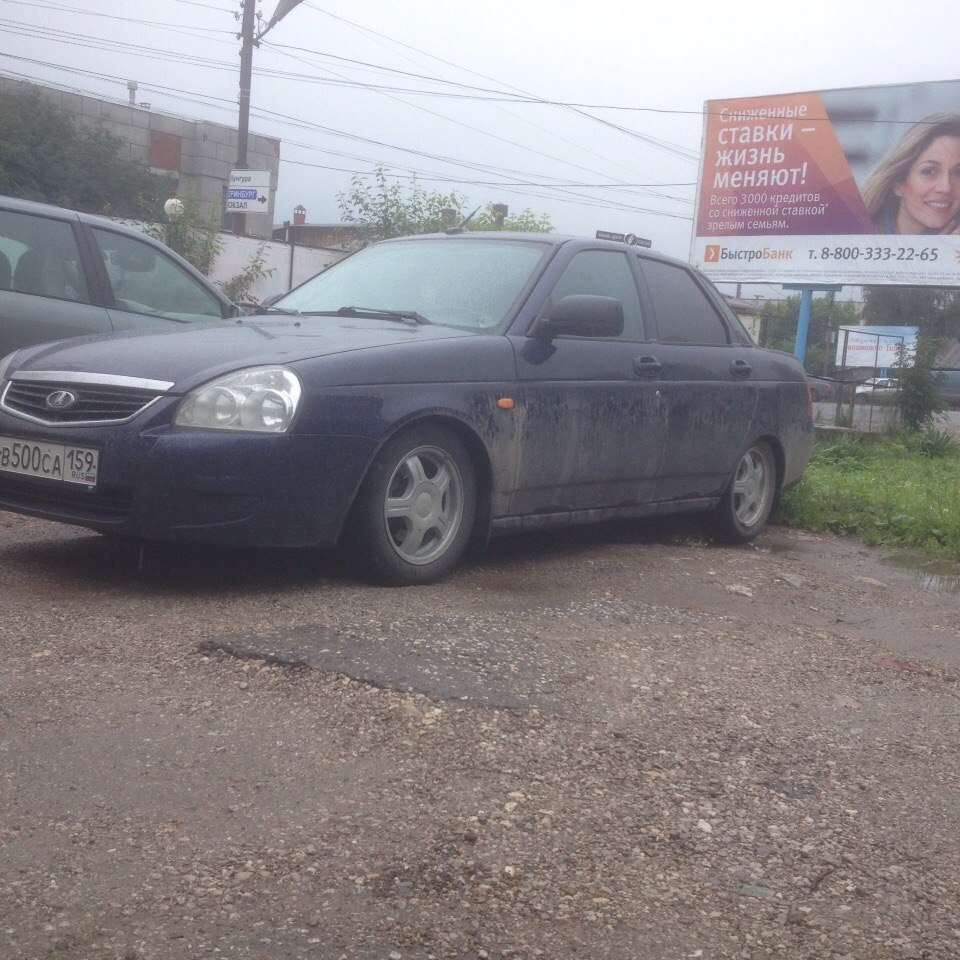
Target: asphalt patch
(478,661)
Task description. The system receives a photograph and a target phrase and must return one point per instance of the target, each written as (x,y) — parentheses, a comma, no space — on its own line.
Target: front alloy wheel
(415,511)
(423,508)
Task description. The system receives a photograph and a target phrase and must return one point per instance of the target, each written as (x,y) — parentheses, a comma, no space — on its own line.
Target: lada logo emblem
(61,400)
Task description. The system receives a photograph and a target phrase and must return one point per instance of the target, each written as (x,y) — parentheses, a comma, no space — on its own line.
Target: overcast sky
(658,62)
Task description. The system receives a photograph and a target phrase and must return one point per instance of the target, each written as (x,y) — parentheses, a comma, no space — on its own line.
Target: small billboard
(856,186)
(876,346)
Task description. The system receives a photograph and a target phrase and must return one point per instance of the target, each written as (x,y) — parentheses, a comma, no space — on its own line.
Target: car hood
(187,356)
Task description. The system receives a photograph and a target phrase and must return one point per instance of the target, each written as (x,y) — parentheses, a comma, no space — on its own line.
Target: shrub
(918,399)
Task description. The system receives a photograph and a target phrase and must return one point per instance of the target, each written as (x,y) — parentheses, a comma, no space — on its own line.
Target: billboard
(876,346)
(856,186)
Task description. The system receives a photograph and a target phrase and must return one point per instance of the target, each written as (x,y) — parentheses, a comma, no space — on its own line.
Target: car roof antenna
(460,227)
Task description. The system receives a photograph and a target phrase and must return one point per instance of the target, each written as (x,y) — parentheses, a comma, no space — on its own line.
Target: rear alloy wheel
(745,506)
(414,515)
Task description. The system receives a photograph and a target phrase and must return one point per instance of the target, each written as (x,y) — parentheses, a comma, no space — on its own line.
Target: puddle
(778,547)
(775,549)
(941,575)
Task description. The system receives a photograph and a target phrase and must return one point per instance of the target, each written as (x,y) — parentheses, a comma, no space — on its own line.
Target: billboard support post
(803,324)
(803,319)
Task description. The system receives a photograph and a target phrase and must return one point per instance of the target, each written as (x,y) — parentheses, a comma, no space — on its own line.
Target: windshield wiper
(404,316)
(286,311)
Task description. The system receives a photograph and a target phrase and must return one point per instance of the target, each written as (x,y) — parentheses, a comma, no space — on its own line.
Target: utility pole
(246,76)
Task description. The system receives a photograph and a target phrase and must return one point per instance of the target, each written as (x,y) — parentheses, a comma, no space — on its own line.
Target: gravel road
(598,744)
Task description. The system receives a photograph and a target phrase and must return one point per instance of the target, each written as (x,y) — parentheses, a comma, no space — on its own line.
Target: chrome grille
(95,403)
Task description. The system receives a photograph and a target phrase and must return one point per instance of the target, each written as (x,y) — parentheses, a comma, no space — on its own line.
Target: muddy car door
(592,426)
(707,381)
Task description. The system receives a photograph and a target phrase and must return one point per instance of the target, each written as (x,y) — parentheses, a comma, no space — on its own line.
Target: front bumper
(160,482)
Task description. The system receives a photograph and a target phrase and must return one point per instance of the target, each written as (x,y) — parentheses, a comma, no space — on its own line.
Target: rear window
(684,312)
(39,256)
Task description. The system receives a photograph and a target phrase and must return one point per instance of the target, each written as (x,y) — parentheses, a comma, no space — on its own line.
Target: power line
(112,16)
(678,150)
(141,50)
(508,187)
(205,6)
(495,136)
(516,189)
(223,104)
(482,94)
(688,156)
(72,38)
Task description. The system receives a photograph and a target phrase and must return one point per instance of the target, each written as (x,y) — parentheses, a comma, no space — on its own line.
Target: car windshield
(463,283)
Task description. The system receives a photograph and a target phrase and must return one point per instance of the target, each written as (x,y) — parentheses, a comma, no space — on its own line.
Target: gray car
(67,274)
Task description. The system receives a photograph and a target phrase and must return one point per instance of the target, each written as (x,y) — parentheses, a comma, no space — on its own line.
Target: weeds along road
(594,744)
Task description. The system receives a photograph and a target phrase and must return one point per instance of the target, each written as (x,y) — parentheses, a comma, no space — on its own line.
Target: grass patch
(902,491)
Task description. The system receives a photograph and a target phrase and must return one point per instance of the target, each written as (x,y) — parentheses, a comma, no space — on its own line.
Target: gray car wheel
(745,506)
(414,515)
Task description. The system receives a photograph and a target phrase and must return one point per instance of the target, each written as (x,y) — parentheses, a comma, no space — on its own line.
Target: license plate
(51,461)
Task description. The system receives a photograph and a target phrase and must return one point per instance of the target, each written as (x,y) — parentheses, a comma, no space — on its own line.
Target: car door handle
(647,366)
(740,368)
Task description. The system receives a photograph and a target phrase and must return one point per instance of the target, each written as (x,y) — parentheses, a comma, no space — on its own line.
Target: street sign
(631,239)
(249,191)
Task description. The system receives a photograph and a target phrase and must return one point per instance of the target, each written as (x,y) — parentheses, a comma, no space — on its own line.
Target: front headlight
(4,363)
(263,399)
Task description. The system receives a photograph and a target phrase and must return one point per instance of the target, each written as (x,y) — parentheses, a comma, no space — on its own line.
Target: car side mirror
(581,316)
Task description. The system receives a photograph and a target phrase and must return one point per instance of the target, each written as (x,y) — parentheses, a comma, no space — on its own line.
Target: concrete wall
(208,150)
(290,265)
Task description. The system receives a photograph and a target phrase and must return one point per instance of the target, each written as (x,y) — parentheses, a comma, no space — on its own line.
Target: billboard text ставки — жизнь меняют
(858,186)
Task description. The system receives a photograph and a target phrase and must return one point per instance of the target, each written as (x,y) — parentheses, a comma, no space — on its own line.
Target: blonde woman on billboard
(915,188)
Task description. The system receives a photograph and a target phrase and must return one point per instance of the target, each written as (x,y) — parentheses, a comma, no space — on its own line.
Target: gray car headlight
(4,363)
(262,399)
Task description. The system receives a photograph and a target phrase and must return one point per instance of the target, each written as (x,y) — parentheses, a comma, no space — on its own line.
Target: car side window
(604,273)
(143,280)
(684,313)
(39,257)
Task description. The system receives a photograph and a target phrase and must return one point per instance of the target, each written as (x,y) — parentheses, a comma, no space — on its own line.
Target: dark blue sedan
(411,400)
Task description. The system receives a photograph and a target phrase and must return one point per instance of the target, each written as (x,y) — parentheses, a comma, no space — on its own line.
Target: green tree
(935,310)
(381,208)
(198,240)
(195,237)
(526,221)
(46,155)
(778,328)
(918,400)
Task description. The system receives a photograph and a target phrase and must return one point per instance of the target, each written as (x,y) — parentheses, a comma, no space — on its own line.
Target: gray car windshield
(463,283)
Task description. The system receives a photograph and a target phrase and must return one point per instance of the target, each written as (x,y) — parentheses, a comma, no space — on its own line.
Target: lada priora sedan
(411,400)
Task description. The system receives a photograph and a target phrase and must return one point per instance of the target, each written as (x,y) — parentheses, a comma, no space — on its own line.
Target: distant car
(413,399)
(67,274)
(878,387)
(822,388)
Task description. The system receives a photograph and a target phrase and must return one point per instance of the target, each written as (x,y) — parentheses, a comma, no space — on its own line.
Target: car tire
(414,514)
(746,503)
